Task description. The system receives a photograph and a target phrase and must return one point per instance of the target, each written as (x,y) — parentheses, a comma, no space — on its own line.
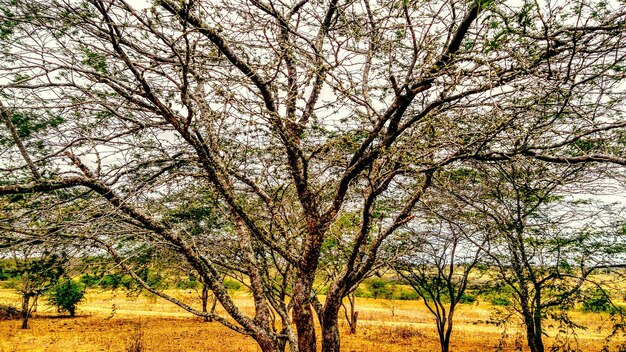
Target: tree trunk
(303,313)
(330,329)
(35,303)
(25,310)
(265,342)
(72,311)
(353,322)
(352,315)
(282,344)
(535,342)
(330,321)
(305,327)
(445,342)
(205,301)
(537,321)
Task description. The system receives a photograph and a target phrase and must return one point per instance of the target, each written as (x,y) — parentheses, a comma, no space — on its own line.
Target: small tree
(66,296)
(544,245)
(439,266)
(33,276)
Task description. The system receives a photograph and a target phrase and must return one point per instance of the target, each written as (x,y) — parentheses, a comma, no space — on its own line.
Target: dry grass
(159,326)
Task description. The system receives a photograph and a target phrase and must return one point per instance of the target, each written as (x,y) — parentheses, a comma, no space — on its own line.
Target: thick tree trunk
(25,310)
(330,325)
(266,343)
(303,313)
(305,327)
(205,302)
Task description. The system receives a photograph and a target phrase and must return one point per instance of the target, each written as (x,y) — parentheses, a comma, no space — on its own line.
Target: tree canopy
(260,126)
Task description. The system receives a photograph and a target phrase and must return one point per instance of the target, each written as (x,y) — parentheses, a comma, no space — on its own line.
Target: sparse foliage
(274,122)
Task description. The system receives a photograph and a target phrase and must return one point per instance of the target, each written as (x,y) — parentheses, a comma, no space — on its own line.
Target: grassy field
(110,321)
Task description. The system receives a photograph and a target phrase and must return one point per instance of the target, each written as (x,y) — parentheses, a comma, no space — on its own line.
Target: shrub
(66,296)
(467,298)
(362,293)
(232,285)
(89,280)
(500,301)
(111,281)
(9,313)
(598,301)
(409,295)
(380,288)
(191,283)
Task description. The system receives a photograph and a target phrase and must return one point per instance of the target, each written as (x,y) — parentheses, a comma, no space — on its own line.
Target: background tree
(439,265)
(37,270)
(542,245)
(66,295)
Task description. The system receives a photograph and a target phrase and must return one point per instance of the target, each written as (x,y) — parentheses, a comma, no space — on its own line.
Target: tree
(36,272)
(66,296)
(293,113)
(439,266)
(542,245)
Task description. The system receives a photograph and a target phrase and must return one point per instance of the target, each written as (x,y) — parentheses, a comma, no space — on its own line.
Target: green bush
(111,281)
(381,288)
(66,296)
(467,298)
(191,283)
(598,301)
(232,285)
(377,283)
(500,301)
(89,280)
(498,294)
(409,295)
(359,292)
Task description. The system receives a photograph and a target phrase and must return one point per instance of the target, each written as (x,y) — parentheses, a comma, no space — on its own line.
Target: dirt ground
(113,321)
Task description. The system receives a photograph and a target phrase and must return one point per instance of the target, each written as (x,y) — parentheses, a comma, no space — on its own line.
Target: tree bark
(352,315)
(535,342)
(205,301)
(303,314)
(25,310)
(330,324)
(266,342)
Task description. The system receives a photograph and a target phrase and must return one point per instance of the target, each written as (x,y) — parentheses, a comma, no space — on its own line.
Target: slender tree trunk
(205,301)
(352,315)
(25,310)
(445,342)
(535,343)
(35,303)
(282,344)
(532,320)
(303,313)
(440,331)
(537,321)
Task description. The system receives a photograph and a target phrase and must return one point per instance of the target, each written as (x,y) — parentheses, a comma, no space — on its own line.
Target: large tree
(292,113)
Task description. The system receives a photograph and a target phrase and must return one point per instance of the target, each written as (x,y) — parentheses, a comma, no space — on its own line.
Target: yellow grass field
(110,321)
